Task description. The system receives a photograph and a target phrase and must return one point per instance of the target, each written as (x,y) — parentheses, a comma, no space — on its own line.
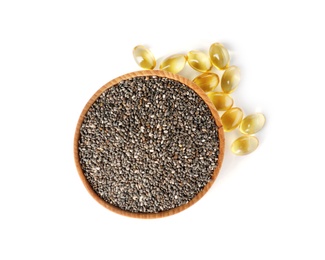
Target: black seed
(148,144)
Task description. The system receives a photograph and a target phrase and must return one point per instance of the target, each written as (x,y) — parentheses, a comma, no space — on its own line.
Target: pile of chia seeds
(148,144)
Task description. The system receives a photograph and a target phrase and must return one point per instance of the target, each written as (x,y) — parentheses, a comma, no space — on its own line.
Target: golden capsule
(221,101)
(219,56)
(144,57)
(199,61)
(174,63)
(252,123)
(244,145)
(231,119)
(230,79)
(207,81)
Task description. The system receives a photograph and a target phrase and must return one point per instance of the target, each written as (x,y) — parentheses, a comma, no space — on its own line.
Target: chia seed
(148,144)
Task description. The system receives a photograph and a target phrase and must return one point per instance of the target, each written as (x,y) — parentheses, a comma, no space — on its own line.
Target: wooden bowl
(158,73)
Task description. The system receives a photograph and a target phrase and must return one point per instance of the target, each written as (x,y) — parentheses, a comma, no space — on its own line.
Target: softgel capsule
(219,79)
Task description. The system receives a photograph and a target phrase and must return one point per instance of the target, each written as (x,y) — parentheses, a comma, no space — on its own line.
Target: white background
(55,54)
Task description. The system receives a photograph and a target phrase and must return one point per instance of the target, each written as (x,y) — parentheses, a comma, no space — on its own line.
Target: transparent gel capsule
(221,101)
(244,145)
(174,63)
(199,61)
(231,119)
(230,79)
(219,56)
(207,81)
(253,123)
(144,57)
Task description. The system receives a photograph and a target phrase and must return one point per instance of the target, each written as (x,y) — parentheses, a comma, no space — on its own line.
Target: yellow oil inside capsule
(144,57)
(231,119)
(199,61)
(244,145)
(219,56)
(230,79)
(253,123)
(221,101)
(174,63)
(207,81)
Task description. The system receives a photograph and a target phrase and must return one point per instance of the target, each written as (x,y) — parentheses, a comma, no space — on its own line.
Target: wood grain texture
(159,73)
